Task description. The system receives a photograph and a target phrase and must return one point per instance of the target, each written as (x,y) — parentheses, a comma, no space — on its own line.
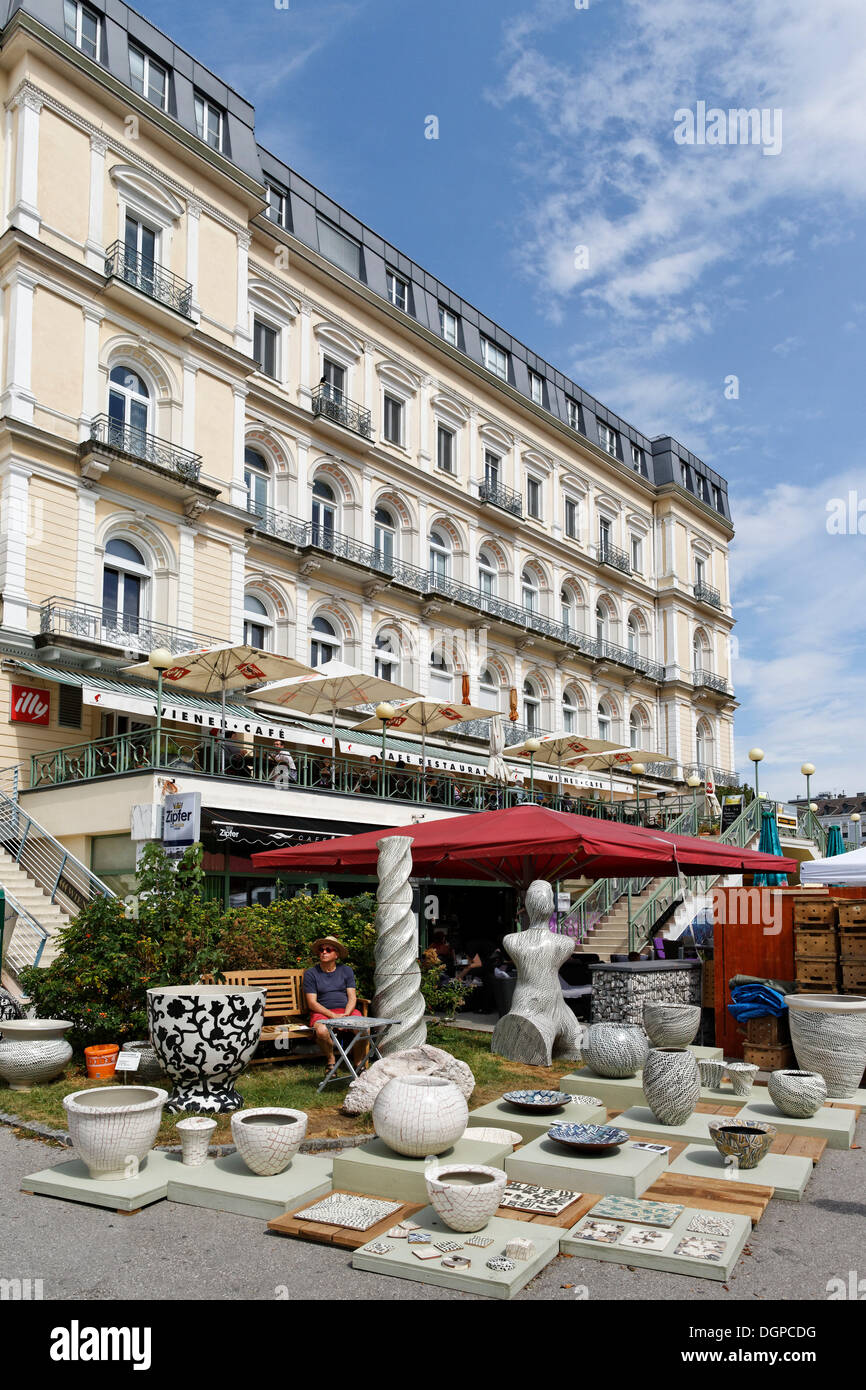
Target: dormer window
(83,28)
(398,291)
(148,77)
(607,439)
(536,388)
(495,359)
(209,121)
(276,209)
(448,325)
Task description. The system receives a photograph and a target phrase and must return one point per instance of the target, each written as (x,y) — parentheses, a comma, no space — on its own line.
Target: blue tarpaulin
(756,1001)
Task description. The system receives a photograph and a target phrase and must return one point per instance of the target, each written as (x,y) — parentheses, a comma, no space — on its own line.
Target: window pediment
(399,377)
(338,341)
(263,295)
(146,195)
(449,410)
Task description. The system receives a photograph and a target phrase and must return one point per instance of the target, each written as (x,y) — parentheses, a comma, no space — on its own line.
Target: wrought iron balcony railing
(66,617)
(151,279)
(719,775)
(711,681)
(333,405)
(146,447)
(705,593)
(503,497)
(612,555)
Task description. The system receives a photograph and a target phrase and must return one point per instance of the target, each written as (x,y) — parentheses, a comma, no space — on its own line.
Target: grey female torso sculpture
(540,1025)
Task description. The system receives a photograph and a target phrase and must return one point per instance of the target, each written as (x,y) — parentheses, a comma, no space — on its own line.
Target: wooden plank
(747,1199)
(845,1105)
(340,1236)
(781,1144)
(676,1146)
(807,1146)
(713,1107)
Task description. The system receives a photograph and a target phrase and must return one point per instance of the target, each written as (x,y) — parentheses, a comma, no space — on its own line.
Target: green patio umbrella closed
(769,843)
(835,843)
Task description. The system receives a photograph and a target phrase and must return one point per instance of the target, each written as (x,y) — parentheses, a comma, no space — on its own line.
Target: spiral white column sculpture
(397,979)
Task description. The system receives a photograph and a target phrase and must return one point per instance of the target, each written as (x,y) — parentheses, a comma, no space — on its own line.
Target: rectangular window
(603,534)
(717,498)
(495,359)
(636,555)
(445,449)
(699,572)
(333,380)
(636,458)
(392,427)
(338,248)
(573,414)
(148,77)
(276,210)
(398,291)
(607,439)
(491,469)
(83,27)
(209,122)
(448,325)
(571,518)
(687,482)
(533,498)
(536,388)
(69,705)
(265,344)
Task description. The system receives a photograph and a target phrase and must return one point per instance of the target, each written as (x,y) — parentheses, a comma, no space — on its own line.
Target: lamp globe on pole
(159,660)
(532,746)
(756,755)
(384,711)
(638,770)
(694,782)
(855,818)
(808,770)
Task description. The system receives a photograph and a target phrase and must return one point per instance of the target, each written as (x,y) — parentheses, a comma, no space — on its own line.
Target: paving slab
(639,1119)
(787,1174)
(226,1184)
(834,1124)
(502,1115)
(377,1171)
(71,1180)
(402,1263)
(624,1172)
(665,1259)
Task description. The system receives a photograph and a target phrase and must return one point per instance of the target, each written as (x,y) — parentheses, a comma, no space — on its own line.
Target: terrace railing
(149,448)
(146,275)
(503,497)
(60,875)
(331,404)
(66,617)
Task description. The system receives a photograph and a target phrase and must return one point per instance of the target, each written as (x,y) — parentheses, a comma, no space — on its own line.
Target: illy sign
(30,706)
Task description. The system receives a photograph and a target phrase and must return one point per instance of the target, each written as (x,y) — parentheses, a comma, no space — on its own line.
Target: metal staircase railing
(810,828)
(60,875)
(23,940)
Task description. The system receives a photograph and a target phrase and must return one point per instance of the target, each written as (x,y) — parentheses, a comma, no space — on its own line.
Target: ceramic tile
(448,1247)
(632,1209)
(456,1262)
(426,1252)
(710,1224)
(653,1148)
(379,1247)
(355,1213)
(605,1232)
(481,1241)
(528,1196)
(645,1238)
(419,1238)
(699,1249)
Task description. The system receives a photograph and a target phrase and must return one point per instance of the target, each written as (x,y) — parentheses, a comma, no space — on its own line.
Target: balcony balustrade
(710,681)
(503,497)
(705,593)
(147,448)
(64,617)
(612,555)
(151,279)
(331,404)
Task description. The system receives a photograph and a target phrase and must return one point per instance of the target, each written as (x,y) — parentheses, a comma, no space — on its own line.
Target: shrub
(281,935)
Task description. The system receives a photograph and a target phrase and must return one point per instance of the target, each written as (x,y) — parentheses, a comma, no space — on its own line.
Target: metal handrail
(812,829)
(721,776)
(16,960)
(333,405)
(711,681)
(58,872)
(609,554)
(68,617)
(146,275)
(503,497)
(138,444)
(705,593)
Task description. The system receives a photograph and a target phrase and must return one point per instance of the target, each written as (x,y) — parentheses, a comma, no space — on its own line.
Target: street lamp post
(160,659)
(694,782)
(638,770)
(756,755)
(532,745)
(386,711)
(808,770)
(855,818)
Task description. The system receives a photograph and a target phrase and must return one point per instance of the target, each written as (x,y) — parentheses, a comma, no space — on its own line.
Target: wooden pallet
(821,943)
(711,1194)
(565,1220)
(342,1236)
(806,1146)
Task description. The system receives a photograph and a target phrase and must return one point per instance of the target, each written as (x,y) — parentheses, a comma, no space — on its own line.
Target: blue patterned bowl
(594,1138)
(539,1102)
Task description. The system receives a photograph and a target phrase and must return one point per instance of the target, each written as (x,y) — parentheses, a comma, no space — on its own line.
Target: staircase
(611,934)
(32,919)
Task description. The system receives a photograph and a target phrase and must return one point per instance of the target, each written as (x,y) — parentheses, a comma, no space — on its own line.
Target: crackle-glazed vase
(465,1195)
(615,1049)
(268,1138)
(113,1127)
(33,1051)
(420,1115)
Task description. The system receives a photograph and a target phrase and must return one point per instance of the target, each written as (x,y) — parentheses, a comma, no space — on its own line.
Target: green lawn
(293,1084)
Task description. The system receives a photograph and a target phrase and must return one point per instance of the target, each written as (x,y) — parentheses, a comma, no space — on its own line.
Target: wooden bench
(285,1008)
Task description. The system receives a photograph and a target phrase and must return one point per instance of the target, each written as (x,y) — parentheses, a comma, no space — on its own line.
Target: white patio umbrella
(569,748)
(330,687)
(428,717)
(618,757)
(497,767)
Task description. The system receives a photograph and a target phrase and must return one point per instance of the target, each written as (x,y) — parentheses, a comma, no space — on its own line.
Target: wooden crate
(816,987)
(768,1031)
(817,910)
(852,914)
(854,977)
(821,942)
(769,1058)
(852,945)
(812,971)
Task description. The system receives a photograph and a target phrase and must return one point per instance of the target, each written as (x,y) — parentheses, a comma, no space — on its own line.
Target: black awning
(246,832)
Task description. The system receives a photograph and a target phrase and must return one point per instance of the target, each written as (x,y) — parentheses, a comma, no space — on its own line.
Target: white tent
(847,869)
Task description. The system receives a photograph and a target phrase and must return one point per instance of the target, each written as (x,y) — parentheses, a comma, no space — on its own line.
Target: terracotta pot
(101,1060)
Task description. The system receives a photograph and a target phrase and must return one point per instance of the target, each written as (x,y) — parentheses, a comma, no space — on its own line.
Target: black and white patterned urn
(204,1036)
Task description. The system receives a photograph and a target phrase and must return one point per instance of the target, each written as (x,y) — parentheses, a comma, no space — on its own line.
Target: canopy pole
(223,727)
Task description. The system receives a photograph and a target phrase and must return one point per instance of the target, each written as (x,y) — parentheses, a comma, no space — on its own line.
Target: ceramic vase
(797,1093)
(671,1084)
(745,1140)
(671,1025)
(149,1070)
(828,1032)
(742,1076)
(711,1072)
(33,1051)
(195,1135)
(113,1127)
(615,1049)
(10,1007)
(420,1115)
(268,1138)
(465,1195)
(204,1036)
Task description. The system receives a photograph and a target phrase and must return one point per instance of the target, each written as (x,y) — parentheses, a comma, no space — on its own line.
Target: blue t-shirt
(330,986)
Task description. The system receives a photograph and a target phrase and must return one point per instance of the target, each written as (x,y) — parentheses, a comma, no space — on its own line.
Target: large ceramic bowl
(420,1115)
(538,1102)
(113,1127)
(588,1138)
(465,1195)
(615,1049)
(671,1025)
(746,1140)
(828,1032)
(797,1093)
(33,1051)
(267,1139)
(204,1036)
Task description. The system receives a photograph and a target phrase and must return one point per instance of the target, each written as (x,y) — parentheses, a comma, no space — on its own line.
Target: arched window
(701,652)
(441,679)
(635,729)
(601,622)
(633,635)
(256,479)
(258,625)
(128,410)
(124,587)
(324,513)
(384,537)
(325,644)
(440,554)
(387,658)
(488,572)
(704,744)
(605,720)
(531,706)
(566,599)
(569,712)
(530,591)
(488,688)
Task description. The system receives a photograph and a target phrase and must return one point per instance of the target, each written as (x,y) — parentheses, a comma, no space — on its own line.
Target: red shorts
(323,1018)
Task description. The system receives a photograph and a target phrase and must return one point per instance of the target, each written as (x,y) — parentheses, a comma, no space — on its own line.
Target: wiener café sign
(195,719)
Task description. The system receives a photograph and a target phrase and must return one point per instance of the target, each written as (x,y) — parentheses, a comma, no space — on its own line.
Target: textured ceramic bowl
(33,1051)
(712,1073)
(615,1049)
(746,1140)
(538,1102)
(268,1138)
(465,1195)
(487,1134)
(588,1138)
(671,1025)
(420,1115)
(113,1127)
(742,1076)
(797,1093)
(828,1032)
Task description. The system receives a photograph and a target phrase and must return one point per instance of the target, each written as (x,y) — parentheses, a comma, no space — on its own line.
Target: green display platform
(72,1181)
(377,1171)
(504,1116)
(835,1125)
(226,1184)
(616,1093)
(624,1172)
(639,1119)
(478,1279)
(665,1259)
(787,1174)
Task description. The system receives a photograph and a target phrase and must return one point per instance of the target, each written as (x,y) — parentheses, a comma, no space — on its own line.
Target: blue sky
(556,130)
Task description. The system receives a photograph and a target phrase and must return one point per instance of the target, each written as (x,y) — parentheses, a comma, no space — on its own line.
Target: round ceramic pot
(797,1093)
(204,1036)
(465,1195)
(267,1139)
(615,1049)
(150,1070)
(711,1073)
(10,1007)
(828,1032)
(113,1127)
(420,1115)
(671,1084)
(742,1076)
(671,1025)
(33,1051)
(745,1140)
(195,1135)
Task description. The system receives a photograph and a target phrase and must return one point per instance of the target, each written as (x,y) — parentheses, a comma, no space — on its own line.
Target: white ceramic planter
(195,1135)
(33,1051)
(465,1195)
(204,1036)
(711,1072)
(742,1076)
(797,1093)
(615,1049)
(671,1084)
(828,1032)
(420,1115)
(113,1127)
(671,1025)
(268,1138)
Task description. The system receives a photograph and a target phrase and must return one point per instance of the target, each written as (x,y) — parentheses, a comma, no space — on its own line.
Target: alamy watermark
(846,516)
(737,126)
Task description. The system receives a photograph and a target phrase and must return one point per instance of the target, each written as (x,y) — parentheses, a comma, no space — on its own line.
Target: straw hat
(342,950)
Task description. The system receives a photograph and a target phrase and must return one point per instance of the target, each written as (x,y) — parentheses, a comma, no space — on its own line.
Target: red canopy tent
(528,842)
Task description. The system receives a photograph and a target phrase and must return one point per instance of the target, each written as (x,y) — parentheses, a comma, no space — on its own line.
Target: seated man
(329,990)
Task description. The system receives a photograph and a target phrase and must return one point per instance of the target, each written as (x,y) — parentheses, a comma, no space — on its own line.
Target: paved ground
(85,1253)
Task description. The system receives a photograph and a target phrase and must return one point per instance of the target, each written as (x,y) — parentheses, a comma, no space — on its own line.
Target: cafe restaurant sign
(202,720)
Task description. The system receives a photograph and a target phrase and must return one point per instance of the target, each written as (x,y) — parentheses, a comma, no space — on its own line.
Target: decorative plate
(538,1102)
(588,1138)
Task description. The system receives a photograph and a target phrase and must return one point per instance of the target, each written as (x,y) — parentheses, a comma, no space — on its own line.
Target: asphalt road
(86,1253)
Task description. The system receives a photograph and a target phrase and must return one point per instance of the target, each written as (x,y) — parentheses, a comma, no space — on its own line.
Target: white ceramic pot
(113,1127)
(33,1051)
(465,1195)
(797,1093)
(828,1032)
(711,1072)
(671,1084)
(268,1138)
(742,1076)
(195,1135)
(671,1025)
(420,1115)
(204,1036)
(615,1049)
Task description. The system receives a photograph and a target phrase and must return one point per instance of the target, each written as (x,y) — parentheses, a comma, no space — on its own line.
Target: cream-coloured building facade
(230,410)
